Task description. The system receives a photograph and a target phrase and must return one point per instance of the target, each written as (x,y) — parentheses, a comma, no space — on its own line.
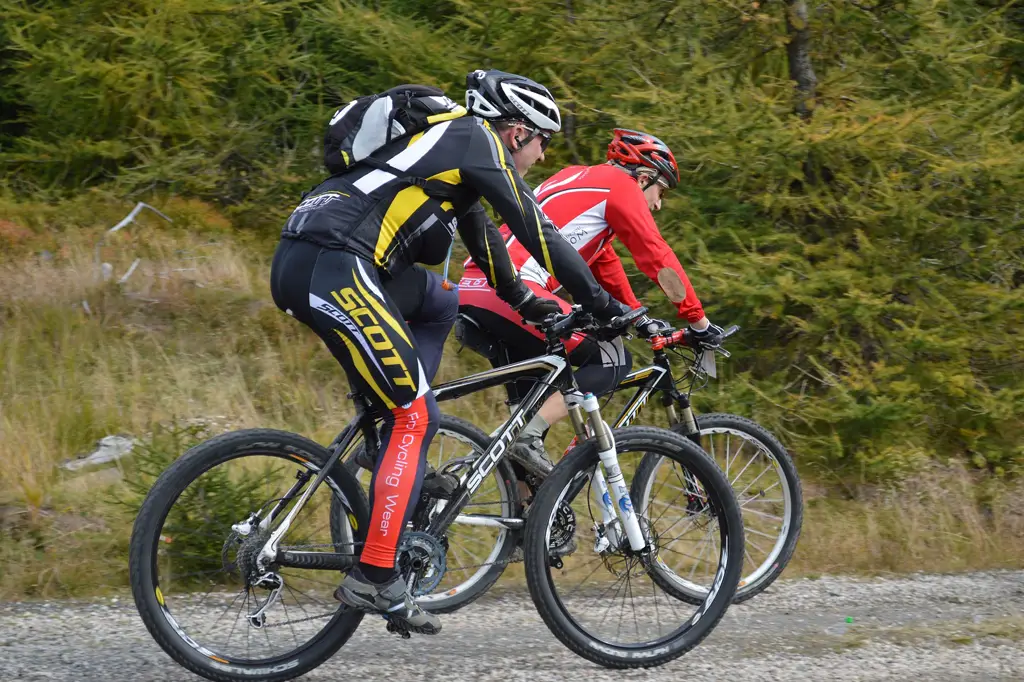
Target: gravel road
(927,627)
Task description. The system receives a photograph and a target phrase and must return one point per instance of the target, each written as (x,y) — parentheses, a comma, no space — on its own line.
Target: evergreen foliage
(872,251)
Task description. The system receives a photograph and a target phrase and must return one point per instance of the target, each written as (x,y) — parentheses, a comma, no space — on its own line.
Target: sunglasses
(545,139)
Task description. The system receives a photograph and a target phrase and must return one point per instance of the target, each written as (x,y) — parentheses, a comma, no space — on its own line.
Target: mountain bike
(191,545)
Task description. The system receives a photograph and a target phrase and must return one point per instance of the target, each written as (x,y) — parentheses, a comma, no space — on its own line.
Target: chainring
(421,555)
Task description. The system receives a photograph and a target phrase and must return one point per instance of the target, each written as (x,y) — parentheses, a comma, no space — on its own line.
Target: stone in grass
(110,449)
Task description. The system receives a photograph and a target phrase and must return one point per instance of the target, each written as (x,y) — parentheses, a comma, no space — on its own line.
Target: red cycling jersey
(591,205)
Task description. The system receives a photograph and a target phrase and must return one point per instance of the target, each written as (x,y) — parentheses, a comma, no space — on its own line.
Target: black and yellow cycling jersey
(391,223)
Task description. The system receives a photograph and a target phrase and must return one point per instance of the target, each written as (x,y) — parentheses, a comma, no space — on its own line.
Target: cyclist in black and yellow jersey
(350,249)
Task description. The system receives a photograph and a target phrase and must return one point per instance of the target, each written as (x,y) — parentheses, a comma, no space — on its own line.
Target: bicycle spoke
(625,591)
(703,544)
(668,506)
(745,466)
(676,551)
(598,567)
(715,457)
(762,514)
(754,481)
(757,532)
(288,622)
(307,595)
(226,608)
(756,546)
(692,518)
(734,456)
(746,554)
(612,602)
(757,498)
(248,634)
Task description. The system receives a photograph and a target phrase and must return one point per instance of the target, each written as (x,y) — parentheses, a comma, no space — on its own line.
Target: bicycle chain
(300,620)
(330,614)
(503,562)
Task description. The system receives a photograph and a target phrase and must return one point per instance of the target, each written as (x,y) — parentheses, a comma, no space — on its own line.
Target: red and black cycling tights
(341,297)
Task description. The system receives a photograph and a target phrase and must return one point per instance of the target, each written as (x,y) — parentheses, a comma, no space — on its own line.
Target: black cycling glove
(648,326)
(535,308)
(609,311)
(710,337)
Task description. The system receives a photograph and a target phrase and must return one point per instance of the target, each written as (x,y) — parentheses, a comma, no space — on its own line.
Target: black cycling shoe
(391,600)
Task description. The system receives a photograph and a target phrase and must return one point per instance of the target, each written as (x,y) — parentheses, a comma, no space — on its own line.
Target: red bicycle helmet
(634,149)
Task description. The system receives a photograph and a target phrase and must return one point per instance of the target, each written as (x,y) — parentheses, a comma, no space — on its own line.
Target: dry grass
(193,333)
(940,520)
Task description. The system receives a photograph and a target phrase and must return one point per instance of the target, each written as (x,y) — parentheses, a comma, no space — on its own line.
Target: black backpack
(367,123)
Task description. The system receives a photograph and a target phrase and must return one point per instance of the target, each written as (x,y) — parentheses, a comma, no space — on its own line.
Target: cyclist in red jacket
(591,206)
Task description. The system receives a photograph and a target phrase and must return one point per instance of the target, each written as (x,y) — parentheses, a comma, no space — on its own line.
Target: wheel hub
(248,553)
(624,559)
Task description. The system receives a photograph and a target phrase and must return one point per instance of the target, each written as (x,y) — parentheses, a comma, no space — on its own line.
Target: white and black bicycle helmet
(500,96)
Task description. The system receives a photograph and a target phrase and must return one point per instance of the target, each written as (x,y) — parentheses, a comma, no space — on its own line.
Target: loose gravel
(928,627)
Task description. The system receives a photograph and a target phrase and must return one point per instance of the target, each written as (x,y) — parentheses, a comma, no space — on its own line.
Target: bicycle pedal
(396,629)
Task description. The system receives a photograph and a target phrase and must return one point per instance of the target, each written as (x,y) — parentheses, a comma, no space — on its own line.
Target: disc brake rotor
(624,560)
(562,530)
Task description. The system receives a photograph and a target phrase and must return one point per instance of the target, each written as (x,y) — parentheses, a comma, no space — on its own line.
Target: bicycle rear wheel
(193,544)
(577,613)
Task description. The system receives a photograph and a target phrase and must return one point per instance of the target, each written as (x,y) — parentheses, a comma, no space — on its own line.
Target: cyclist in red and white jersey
(591,206)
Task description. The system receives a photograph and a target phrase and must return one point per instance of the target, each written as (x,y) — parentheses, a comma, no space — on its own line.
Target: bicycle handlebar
(685,337)
(564,325)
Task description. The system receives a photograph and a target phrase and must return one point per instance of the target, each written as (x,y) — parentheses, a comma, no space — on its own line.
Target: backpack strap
(435,189)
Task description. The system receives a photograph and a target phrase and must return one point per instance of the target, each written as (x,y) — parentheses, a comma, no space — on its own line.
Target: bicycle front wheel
(767,489)
(577,591)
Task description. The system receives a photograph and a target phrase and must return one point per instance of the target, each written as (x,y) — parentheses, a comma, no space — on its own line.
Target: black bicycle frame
(558,376)
(551,371)
(656,377)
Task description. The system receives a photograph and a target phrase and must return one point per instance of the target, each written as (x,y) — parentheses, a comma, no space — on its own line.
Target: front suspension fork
(615,518)
(683,415)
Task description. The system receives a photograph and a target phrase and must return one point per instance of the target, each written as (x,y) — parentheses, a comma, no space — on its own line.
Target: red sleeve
(628,216)
(608,271)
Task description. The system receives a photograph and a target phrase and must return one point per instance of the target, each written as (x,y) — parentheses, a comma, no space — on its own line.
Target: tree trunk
(570,116)
(799,50)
